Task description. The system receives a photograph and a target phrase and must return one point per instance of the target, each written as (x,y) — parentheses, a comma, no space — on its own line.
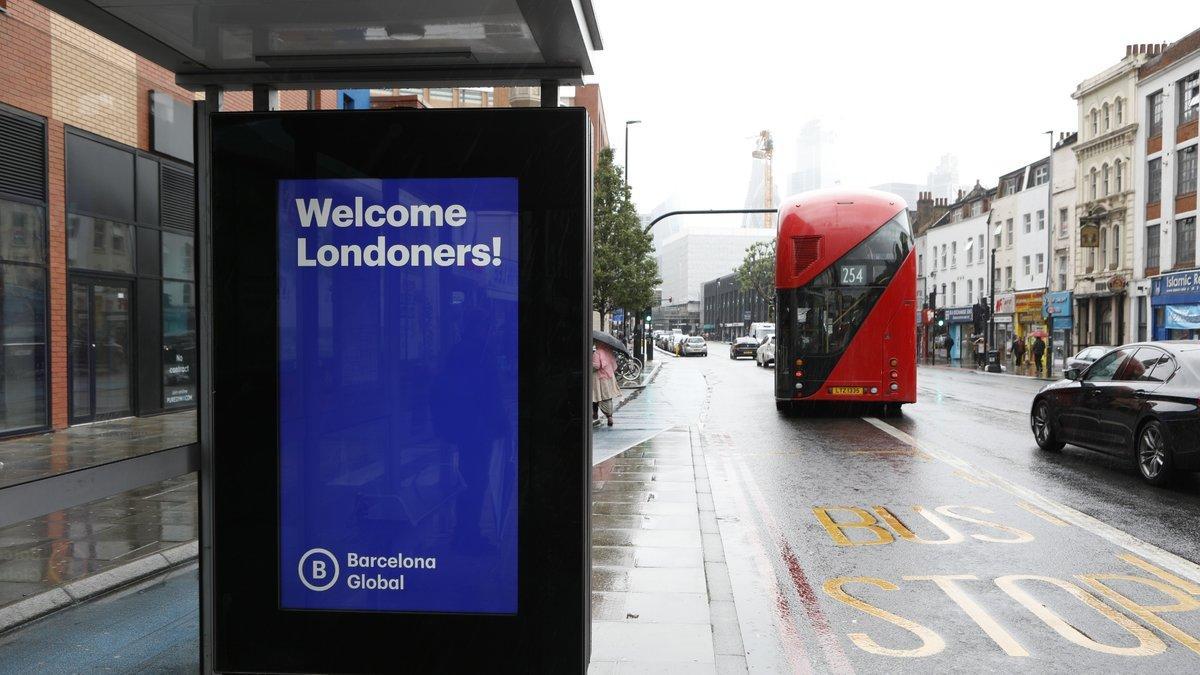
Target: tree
(756,274)
(623,272)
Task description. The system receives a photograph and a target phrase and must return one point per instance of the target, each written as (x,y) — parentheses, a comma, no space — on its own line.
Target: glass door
(101,349)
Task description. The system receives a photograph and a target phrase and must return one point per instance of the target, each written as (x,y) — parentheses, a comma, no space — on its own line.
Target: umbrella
(610,341)
(1039,333)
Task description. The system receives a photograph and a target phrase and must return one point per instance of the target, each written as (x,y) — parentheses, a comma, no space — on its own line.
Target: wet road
(942,539)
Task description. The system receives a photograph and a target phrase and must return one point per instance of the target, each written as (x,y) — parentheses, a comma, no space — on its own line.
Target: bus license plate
(846,391)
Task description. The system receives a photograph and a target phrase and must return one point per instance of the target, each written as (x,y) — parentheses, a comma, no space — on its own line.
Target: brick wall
(25,57)
(93,82)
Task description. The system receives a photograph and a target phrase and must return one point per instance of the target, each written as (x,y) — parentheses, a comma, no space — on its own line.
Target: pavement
(729,538)
(41,455)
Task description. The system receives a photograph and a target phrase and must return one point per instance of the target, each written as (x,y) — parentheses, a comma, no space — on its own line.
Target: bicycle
(629,369)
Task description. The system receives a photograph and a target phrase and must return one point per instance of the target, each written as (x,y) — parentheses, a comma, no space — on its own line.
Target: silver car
(1086,356)
(766,353)
(694,345)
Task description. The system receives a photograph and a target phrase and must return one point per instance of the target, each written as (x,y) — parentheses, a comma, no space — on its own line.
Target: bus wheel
(890,410)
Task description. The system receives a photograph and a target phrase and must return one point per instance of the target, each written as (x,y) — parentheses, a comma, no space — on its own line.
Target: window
(970,292)
(976,208)
(179,343)
(1154,102)
(1093,183)
(1185,241)
(1120,175)
(23,350)
(981,254)
(109,247)
(1107,118)
(920,265)
(1105,368)
(1008,228)
(1189,97)
(944,266)
(1010,186)
(1041,263)
(1116,247)
(1095,122)
(828,312)
(1062,272)
(1025,264)
(1120,112)
(953,293)
(442,94)
(1187,171)
(1104,173)
(1008,281)
(1154,180)
(1063,216)
(954,254)
(981,289)
(945,300)
(1152,246)
(178,261)
(1027,221)
(472,96)
(100,179)
(1041,220)
(1103,247)
(1041,174)
(997,237)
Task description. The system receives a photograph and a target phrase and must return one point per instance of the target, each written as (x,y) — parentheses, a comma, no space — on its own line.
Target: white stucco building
(1106,177)
(955,262)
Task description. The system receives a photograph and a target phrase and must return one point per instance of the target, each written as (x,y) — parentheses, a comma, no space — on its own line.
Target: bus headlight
(874,390)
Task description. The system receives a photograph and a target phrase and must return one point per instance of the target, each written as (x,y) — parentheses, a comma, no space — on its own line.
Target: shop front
(958,327)
(1027,313)
(1175,304)
(1002,318)
(1057,311)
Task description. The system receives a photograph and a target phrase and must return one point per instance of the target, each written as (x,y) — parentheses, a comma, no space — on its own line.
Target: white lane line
(1181,566)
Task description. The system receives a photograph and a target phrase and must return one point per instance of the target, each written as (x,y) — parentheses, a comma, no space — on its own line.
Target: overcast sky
(897,84)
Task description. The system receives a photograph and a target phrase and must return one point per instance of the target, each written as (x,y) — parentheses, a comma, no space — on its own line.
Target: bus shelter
(460,223)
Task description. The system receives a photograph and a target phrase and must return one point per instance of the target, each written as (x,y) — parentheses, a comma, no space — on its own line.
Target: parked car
(743,346)
(692,346)
(1086,356)
(1139,401)
(765,354)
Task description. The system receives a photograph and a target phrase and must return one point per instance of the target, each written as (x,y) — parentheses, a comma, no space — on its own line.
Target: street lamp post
(990,336)
(638,330)
(1049,255)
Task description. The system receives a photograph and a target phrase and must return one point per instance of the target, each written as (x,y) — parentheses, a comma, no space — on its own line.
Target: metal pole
(1049,255)
(627,154)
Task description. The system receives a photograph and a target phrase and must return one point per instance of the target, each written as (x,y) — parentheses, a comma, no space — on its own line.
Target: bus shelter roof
(298,44)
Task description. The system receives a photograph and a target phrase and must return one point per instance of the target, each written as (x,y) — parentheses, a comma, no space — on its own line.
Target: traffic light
(932,304)
(939,315)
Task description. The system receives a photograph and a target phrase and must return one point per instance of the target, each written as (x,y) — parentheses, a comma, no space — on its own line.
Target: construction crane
(764,149)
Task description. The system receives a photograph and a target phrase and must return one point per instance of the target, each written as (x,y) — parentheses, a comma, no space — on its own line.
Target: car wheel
(1043,429)
(1153,457)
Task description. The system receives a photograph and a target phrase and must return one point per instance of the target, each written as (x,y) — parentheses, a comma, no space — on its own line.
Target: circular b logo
(318,569)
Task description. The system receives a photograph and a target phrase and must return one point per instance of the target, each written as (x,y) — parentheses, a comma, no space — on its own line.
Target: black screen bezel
(547,151)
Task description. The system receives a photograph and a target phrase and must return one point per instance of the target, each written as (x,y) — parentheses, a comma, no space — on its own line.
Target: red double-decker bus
(846,286)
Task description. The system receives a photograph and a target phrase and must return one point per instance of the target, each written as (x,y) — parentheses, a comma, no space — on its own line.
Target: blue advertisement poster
(398,394)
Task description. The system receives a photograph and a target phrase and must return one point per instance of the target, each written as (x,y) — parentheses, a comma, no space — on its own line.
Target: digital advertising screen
(398,394)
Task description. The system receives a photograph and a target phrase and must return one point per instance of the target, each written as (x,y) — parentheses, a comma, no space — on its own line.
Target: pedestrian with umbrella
(604,374)
(1039,349)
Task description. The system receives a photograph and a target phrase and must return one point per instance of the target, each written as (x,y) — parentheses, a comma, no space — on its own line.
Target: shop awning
(1182,317)
(317,43)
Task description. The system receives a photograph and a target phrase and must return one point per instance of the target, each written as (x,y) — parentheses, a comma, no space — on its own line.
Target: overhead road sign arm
(668,214)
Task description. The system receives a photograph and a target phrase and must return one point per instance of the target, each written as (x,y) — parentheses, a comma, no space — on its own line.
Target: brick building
(97,286)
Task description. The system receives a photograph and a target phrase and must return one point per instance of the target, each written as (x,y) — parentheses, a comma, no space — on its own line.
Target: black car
(1138,401)
(743,346)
